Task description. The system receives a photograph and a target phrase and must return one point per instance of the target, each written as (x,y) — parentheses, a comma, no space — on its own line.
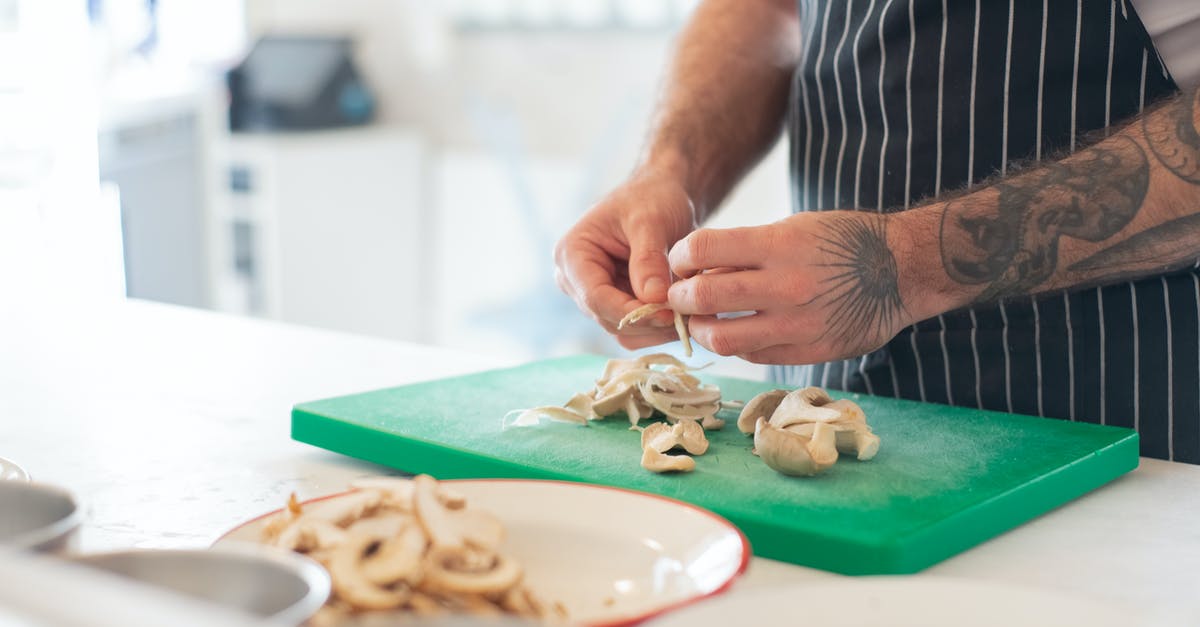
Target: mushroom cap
(690,435)
(659,437)
(761,406)
(804,405)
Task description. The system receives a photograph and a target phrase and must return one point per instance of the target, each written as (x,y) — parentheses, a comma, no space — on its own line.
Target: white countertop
(173,426)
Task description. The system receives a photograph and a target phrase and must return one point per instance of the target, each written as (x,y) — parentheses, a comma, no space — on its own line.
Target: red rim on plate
(620,622)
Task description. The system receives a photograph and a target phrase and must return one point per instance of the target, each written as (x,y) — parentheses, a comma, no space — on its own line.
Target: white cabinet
(323,228)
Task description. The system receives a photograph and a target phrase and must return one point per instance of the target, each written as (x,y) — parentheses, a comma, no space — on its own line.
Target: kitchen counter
(173,424)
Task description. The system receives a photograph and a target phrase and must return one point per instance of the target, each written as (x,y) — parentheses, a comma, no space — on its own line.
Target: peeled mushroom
(761,406)
(794,454)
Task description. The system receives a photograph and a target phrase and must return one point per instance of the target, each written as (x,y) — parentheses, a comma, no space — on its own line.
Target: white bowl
(610,556)
(37,516)
(10,471)
(261,581)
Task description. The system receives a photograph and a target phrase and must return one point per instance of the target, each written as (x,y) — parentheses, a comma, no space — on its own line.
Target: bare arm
(1124,208)
(722,107)
(837,284)
(725,95)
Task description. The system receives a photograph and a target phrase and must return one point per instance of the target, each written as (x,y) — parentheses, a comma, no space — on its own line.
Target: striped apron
(899,100)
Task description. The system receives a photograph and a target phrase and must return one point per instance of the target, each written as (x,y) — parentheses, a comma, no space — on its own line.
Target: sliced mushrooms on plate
(396,544)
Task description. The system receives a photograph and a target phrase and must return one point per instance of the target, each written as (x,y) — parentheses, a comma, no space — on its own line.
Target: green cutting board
(945,478)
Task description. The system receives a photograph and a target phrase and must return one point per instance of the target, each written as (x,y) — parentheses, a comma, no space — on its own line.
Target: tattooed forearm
(864,291)
(1007,237)
(1154,249)
(1174,139)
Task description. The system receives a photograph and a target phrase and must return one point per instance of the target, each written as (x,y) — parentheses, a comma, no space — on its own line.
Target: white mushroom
(804,405)
(852,438)
(305,535)
(794,454)
(761,406)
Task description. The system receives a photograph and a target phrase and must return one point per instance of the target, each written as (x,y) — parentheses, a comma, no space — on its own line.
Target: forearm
(725,95)
(1126,207)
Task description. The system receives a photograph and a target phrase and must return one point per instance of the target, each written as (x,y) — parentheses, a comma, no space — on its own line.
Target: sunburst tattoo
(865,292)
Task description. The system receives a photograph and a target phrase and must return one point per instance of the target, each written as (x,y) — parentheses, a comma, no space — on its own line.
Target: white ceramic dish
(263,582)
(610,556)
(10,471)
(38,516)
(904,601)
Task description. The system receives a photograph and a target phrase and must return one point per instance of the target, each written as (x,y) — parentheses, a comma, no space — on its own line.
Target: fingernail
(653,286)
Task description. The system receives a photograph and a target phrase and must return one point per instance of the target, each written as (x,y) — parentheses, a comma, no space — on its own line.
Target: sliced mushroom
(398,558)
(794,454)
(342,511)
(305,535)
(467,571)
(382,526)
(761,406)
(453,528)
(350,582)
(655,461)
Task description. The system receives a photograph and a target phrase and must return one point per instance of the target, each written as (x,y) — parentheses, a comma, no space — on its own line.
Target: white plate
(610,556)
(9,471)
(907,601)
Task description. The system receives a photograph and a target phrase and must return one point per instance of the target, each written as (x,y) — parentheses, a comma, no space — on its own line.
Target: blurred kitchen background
(395,168)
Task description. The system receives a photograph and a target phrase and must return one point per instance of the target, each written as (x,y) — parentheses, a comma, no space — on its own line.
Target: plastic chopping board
(945,478)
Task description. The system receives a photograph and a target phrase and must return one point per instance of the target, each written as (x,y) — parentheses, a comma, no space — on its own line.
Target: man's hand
(615,258)
(822,285)
(838,284)
(723,105)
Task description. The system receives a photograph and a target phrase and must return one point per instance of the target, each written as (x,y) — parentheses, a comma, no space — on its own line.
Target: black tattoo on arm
(1007,240)
(1149,250)
(1174,139)
(864,291)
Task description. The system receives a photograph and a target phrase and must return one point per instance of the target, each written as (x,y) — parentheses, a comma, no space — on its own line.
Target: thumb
(649,273)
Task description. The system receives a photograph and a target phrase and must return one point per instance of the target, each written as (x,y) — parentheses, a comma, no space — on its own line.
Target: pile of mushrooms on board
(797,433)
(400,545)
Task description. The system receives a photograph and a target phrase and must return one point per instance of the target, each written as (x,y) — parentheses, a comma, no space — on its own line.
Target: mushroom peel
(794,454)
(655,461)
(761,406)
(681,328)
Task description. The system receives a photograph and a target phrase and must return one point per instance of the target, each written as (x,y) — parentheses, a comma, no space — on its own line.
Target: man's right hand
(615,257)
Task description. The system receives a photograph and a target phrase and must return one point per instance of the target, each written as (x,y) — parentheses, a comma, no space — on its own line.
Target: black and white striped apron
(899,100)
